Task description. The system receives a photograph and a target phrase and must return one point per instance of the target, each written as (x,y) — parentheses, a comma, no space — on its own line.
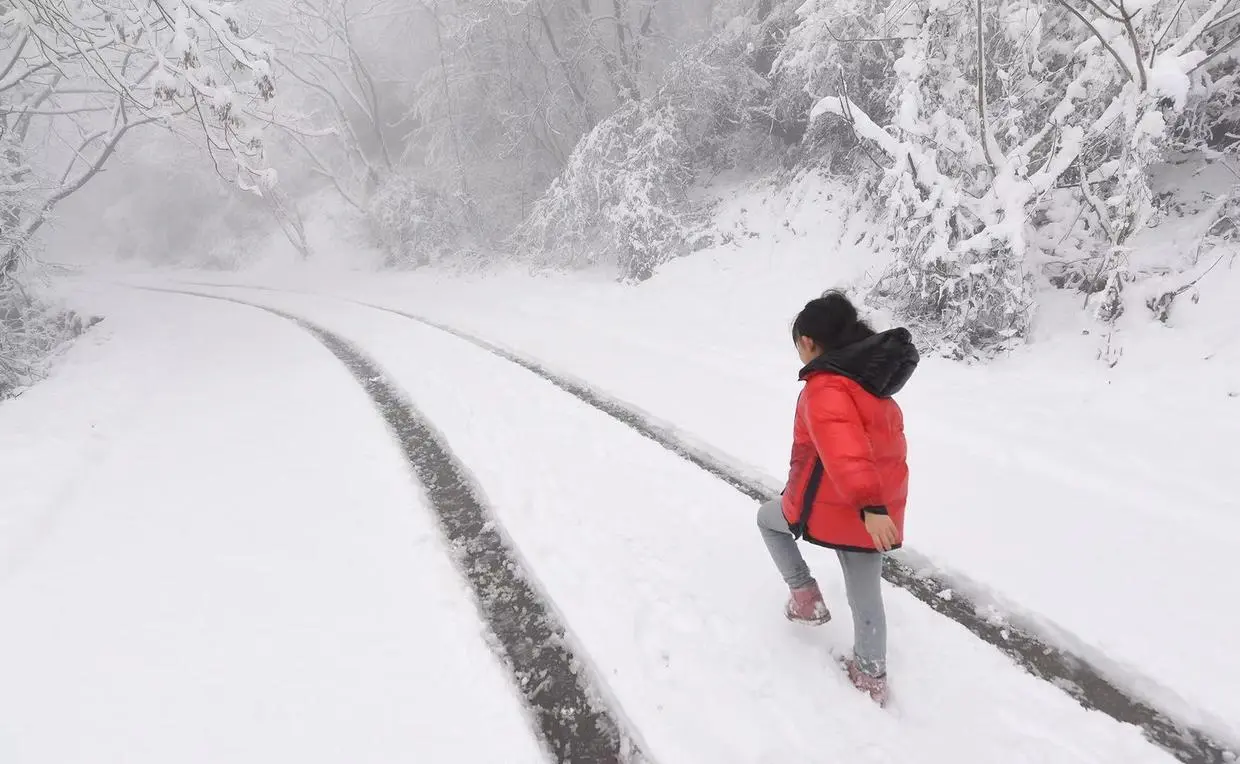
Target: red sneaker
(874,686)
(806,606)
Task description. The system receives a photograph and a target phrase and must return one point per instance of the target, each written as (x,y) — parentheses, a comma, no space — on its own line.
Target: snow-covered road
(655,567)
(211,550)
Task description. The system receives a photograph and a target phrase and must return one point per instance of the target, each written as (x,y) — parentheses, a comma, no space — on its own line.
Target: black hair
(831,321)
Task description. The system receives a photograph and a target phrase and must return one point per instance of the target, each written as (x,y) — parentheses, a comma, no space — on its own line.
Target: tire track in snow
(573,720)
(1071,673)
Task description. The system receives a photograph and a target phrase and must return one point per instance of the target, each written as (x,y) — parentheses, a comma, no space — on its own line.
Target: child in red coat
(848,482)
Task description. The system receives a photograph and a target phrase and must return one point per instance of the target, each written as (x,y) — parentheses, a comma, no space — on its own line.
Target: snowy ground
(1092,501)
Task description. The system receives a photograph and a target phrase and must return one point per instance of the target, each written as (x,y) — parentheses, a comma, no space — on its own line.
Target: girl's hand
(882,530)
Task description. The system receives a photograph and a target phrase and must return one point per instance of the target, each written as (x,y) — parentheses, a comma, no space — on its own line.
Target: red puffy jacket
(848,447)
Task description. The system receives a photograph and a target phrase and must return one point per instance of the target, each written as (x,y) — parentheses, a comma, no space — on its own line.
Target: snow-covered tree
(988,117)
(350,66)
(79,76)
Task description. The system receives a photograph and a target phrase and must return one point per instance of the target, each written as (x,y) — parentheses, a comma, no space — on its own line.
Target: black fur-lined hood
(881,364)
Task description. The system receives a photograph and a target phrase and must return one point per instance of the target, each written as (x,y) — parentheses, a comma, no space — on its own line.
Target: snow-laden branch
(99,69)
(1205,21)
(344,130)
(1099,36)
(864,126)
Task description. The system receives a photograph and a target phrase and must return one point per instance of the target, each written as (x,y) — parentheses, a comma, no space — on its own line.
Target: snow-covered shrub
(718,102)
(620,199)
(17,203)
(829,48)
(1216,249)
(417,225)
(31,331)
(623,196)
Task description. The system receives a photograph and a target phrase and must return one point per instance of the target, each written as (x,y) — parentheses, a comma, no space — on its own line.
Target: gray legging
(862,583)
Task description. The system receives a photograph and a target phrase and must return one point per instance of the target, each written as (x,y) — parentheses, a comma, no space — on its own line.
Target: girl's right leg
(863,579)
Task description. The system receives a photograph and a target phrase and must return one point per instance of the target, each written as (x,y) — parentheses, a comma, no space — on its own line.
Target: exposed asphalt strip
(1071,673)
(574,722)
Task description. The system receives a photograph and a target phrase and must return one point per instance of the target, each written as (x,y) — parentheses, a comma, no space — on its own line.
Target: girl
(848,482)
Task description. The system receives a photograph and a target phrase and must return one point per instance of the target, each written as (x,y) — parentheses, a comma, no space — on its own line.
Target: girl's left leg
(805,603)
(783,546)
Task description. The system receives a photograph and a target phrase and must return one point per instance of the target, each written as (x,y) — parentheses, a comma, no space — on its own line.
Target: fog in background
(444,109)
(990,151)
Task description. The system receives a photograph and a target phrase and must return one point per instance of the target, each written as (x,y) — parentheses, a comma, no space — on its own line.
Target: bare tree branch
(1166,29)
(1216,54)
(983,126)
(1142,80)
(1101,39)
